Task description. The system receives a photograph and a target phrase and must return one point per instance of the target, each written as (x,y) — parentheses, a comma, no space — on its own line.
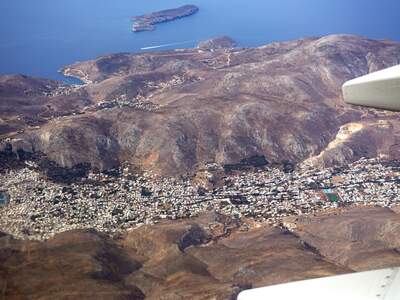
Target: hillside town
(34,207)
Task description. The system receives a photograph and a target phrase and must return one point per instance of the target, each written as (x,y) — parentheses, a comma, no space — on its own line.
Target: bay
(38,37)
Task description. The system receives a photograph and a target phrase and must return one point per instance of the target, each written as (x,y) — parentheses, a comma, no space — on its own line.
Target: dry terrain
(210,257)
(174,113)
(171,112)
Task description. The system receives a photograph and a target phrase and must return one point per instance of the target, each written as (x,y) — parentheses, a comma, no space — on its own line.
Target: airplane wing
(379,89)
(372,285)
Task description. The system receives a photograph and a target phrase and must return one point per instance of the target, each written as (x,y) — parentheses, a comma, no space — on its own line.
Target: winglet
(379,89)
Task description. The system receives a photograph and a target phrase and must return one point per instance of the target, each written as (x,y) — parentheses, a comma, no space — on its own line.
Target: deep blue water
(40,36)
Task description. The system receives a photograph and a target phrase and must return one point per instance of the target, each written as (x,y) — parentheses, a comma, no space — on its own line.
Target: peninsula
(197,173)
(147,22)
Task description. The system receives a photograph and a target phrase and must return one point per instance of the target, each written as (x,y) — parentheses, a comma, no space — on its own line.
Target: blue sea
(38,37)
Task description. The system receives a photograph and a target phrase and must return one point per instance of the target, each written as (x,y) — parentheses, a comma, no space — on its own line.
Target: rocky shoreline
(171,111)
(222,42)
(164,168)
(148,22)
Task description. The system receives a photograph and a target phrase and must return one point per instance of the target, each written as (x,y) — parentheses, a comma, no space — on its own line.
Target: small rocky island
(147,22)
(222,42)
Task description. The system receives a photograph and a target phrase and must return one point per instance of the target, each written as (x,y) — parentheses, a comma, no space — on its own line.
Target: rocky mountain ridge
(210,257)
(171,112)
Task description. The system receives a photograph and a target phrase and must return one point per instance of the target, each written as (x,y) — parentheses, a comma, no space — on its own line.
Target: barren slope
(172,111)
(211,257)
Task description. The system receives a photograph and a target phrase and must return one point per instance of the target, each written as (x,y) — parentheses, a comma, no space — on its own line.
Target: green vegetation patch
(333,197)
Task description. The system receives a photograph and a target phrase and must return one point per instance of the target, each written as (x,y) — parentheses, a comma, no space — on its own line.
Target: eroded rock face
(210,257)
(27,102)
(172,111)
(73,265)
(360,239)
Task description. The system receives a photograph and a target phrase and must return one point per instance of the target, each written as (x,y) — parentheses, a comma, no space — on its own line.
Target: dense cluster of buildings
(38,208)
(139,102)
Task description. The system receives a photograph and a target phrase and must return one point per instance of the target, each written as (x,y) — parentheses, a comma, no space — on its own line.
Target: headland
(147,22)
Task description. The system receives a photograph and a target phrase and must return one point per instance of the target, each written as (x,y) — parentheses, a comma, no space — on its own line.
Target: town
(33,207)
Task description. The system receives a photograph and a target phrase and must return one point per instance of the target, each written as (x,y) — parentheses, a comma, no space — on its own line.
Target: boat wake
(166,45)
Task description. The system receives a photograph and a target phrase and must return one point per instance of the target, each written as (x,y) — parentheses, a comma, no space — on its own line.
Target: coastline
(147,22)
(68,73)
